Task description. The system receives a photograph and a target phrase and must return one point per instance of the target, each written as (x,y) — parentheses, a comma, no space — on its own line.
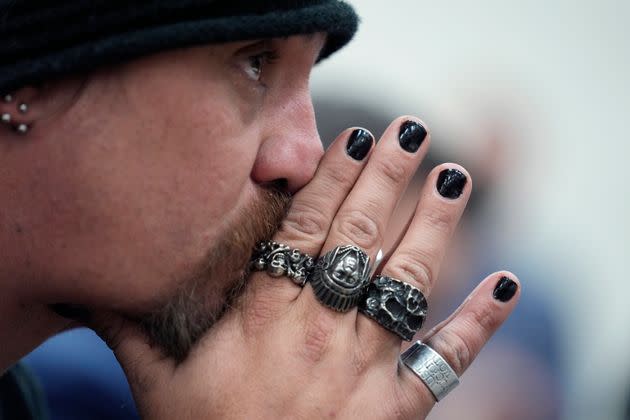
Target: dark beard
(177,325)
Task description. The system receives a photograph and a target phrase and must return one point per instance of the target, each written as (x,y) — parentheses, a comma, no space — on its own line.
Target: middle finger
(362,218)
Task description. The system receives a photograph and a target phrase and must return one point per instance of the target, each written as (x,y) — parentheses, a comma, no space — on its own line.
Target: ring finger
(417,259)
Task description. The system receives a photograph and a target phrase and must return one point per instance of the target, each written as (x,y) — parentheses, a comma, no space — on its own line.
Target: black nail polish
(505,289)
(359,144)
(411,136)
(71,311)
(451,183)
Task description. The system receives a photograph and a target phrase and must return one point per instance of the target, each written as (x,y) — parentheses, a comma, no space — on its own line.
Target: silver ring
(379,257)
(340,277)
(377,261)
(431,368)
(397,306)
(280,260)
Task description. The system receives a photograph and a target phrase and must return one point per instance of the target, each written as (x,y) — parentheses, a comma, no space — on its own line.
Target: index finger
(310,215)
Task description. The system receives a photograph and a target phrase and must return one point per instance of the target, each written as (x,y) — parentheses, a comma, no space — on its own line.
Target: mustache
(258,221)
(269,211)
(178,325)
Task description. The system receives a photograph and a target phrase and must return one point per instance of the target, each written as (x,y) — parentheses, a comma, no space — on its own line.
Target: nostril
(280,184)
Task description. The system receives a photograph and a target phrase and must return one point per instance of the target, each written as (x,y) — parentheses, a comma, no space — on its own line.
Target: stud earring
(7,118)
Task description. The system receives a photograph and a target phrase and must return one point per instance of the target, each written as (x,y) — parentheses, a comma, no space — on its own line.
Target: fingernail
(359,144)
(451,183)
(71,311)
(411,136)
(505,289)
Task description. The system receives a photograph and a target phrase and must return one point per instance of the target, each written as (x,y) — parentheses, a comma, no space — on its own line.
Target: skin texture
(139,194)
(190,169)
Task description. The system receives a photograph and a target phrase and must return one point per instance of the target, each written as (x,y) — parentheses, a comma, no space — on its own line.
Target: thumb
(142,363)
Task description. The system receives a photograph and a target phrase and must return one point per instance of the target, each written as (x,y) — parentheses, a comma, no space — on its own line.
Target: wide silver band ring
(395,305)
(431,368)
(340,277)
(281,260)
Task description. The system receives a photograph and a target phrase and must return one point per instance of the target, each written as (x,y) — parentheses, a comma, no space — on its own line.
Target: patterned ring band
(431,368)
(340,277)
(396,306)
(280,260)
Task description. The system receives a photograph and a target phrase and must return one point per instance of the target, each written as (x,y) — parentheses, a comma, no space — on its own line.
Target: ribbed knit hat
(43,39)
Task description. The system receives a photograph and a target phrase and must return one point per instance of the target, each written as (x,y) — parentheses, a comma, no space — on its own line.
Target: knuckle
(484,317)
(359,228)
(305,221)
(360,365)
(392,171)
(257,314)
(440,219)
(454,348)
(414,268)
(317,337)
(362,361)
(339,175)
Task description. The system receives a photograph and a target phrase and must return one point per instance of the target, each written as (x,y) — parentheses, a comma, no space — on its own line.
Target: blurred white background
(557,74)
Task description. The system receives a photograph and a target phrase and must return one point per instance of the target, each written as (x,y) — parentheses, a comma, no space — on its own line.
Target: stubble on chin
(179,323)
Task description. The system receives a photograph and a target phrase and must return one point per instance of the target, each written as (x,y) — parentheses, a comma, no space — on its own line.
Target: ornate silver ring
(280,260)
(397,306)
(340,277)
(431,368)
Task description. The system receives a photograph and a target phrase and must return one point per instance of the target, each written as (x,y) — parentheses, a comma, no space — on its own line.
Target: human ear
(24,109)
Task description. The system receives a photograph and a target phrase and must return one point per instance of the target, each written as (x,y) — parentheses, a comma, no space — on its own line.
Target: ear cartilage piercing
(7,118)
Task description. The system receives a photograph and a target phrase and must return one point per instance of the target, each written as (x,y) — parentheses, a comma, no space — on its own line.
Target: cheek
(143,209)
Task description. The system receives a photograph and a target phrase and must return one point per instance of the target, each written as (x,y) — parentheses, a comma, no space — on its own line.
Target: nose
(291,148)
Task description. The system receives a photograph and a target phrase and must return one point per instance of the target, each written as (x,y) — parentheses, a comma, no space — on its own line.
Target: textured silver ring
(340,277)
(281,260)
(397,306)
(431,368)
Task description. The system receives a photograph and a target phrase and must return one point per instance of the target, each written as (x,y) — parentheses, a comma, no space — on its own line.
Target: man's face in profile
(161,179)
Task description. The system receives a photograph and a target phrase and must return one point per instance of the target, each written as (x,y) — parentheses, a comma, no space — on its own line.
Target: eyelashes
(255,65)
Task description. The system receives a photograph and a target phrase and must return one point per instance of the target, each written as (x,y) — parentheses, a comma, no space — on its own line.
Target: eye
(256,63)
